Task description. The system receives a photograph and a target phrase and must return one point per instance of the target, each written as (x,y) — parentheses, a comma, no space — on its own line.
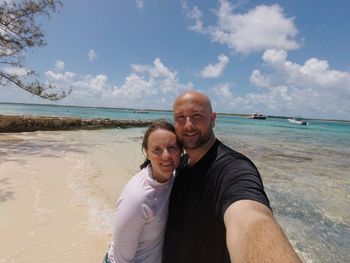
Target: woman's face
(164,154)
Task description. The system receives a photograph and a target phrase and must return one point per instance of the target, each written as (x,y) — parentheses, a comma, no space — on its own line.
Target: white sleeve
(129,222)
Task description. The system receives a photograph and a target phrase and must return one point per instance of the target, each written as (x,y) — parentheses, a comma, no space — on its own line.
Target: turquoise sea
(306,171)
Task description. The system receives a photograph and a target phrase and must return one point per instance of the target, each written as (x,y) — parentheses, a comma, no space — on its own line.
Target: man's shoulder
(218,155)
(224,151)
(232,161)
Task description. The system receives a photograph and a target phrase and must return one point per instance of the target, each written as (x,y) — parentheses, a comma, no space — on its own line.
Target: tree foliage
(19,32)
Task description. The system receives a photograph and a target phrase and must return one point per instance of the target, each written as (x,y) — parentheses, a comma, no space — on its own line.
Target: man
(218,210)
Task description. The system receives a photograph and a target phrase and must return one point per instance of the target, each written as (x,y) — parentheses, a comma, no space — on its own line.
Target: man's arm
(253,235)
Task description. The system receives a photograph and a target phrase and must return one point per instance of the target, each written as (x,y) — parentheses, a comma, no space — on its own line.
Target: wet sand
(57,196)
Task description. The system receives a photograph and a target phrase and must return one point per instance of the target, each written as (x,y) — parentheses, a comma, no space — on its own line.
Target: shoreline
(29,123)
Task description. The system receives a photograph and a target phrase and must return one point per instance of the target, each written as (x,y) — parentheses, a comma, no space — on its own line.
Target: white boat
(257,116)
(298,121)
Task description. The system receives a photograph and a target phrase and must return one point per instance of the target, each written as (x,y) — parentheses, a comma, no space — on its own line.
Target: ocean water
(305,169)
(82,112)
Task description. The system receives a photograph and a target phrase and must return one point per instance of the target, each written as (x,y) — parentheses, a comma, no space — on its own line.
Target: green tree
(19,32)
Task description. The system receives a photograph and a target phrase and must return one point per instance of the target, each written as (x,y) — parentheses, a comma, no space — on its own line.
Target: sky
(289,58)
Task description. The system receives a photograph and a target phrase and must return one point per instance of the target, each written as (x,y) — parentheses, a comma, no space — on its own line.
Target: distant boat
(140,111)
(257,116)
(298,121)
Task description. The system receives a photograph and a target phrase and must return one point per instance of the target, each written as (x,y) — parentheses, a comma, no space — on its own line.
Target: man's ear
(213,118)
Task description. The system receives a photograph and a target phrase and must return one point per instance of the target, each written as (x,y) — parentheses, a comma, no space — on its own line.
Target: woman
(143,205)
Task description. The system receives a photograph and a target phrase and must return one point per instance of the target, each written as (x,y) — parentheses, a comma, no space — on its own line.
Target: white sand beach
(58,190)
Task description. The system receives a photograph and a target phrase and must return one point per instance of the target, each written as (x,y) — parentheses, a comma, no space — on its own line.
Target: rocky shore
(23,123)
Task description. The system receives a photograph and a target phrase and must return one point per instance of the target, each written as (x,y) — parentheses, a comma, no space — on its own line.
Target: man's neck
(196,154)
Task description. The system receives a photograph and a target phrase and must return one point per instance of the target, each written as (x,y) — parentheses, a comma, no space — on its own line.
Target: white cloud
(152,86)
(314,75)
(226,98)
(194,14)
(92,55)
(62,81)
(6,1)
(64,77)
(261,28)
(59,65)
(19,71)
(150,80)
(225,95)
(312,89)
(214,71)
(140,3)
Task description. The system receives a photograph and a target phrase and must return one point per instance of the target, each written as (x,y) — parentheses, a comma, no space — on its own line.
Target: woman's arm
(129,222)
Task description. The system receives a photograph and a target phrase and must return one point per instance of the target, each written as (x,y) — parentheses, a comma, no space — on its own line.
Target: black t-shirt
(200,196)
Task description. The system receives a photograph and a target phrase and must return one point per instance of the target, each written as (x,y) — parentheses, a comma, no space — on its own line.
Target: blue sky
(280,58)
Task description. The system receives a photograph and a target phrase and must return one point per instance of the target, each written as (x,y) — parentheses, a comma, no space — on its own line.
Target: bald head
(194,97)
(194,121)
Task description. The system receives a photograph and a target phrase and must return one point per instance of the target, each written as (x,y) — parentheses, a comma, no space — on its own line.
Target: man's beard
(201,140)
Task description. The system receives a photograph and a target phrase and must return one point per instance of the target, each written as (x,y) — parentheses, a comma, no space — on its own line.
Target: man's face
(194,122)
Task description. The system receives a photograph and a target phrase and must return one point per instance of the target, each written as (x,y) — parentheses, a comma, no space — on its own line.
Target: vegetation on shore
(10,123)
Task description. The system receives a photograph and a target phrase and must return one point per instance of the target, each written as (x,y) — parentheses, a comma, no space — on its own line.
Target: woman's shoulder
(134,197)
(135,189)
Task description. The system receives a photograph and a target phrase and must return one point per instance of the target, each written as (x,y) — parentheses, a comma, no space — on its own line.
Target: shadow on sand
(6,190)
(17,151)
